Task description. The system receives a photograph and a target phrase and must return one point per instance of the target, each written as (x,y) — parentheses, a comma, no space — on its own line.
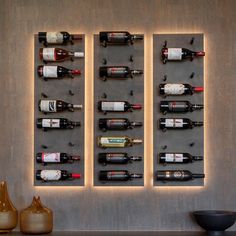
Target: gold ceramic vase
(36,219)
(8,213)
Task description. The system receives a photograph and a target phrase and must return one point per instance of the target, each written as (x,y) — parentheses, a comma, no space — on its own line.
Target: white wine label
(112,141)
(48,105)
(115,71)
(113,106)
(174,54)
(51,123)
(51,157)
(174,157)
(50,71)
(174,123)
(54,37)
(49,54)
(174,89)
(48,175)
(78,54)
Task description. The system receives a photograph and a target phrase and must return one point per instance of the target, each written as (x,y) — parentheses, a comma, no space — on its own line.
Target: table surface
(130,233)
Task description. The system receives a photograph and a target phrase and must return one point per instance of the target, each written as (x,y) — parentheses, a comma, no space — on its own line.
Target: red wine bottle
(178,123)
(117,124)
(117,72)
(118,175)
(178,107)
(57,37)
(117,106)
(55,157)
(56,123)
(177,175)
(55,175)
(178,54)
(57,54)
(178,89)
(116,158)
(56,106)
(118,38)
(56,72)
(177,158)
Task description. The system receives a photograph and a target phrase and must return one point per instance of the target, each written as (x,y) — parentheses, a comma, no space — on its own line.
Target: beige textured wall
(145,208)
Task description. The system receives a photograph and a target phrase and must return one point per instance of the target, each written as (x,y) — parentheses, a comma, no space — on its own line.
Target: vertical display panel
(70,90)
(178,141)
(130,90)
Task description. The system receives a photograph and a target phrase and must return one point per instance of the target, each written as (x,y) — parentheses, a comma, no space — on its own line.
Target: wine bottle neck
(137,37)
(197,158)
(137,141)
(200,54)
(75,158)
(77,106)
(136,124)
(76,124)
(75,176)
(136,72)
(198,89)
(198,176)
(76,54)
(136,106)
(75,72)
(197,123)
(136,176)
(76,37)
(197,107)
(135,158)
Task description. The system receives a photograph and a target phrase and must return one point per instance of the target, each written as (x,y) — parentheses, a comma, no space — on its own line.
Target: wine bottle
(117,124)
(56,123)
(178,54)
(57,37)
(116,158)
(117,106)
(178,89)
(117,175)
(118,72)
(55,175)
(117,141)
(56,106)
(178,123)
(177,158)
(177,175)
(55,157)
(178,107)
(118,38)
(57,72)
(57,54)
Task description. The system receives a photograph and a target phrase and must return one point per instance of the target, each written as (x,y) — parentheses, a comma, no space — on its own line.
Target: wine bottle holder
(190,72)
(70,141)
(130,90)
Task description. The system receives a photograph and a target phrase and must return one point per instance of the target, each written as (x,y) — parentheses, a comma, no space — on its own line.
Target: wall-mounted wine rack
(69,141)
(131,90)
(190,72)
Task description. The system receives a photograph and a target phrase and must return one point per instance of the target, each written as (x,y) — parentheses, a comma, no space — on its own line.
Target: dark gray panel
(178,72)
(57,140)
(119,90)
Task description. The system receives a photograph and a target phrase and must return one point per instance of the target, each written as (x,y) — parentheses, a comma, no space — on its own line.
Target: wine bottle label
(50,71)
(51,157)
(51,123)
(54,37)
(117,123)
(48,175)
(178,174)
(112,142)
(115,71)
(174,123)
(48,105)
(116,37)
(174,89)
(113,106)
(115,175)
(49,54)
(174,157)
(174,54)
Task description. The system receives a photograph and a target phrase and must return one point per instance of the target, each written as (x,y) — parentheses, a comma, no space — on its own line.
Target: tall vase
(8,213)
(36,219)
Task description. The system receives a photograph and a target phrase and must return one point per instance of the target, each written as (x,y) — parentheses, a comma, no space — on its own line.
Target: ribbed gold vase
(8,213)
(36,219)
